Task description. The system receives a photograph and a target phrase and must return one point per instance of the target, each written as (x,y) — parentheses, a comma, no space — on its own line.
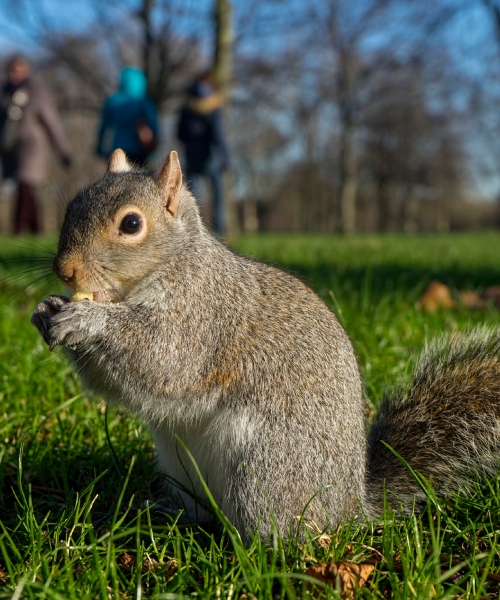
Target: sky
(464,30)
(65,14)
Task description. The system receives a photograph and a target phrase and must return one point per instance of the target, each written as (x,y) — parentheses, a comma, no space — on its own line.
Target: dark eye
(131,223)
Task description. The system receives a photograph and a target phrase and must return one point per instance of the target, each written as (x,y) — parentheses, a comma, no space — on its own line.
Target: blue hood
(133,82)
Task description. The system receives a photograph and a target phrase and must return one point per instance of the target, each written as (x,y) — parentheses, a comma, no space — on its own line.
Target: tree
(157,36)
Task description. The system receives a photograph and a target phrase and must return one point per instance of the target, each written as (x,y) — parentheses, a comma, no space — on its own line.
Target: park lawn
(75,478)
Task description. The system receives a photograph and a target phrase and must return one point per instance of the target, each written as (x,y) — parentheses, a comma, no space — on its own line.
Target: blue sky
(464,31)
(65,14)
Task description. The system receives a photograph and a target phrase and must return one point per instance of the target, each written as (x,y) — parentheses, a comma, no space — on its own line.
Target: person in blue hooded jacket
(129,119)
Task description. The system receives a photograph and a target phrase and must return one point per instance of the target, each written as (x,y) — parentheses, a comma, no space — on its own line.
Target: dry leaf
(125,560)
(350,576)
(436,295)
(171,568)
(492,295)
(374,550)
(149,564)
(323,539)
(471,300)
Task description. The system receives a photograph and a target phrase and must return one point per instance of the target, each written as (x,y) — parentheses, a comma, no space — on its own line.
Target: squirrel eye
(131,224)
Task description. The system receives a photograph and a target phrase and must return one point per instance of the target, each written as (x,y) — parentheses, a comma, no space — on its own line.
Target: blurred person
(29,124)
(129,119)
(200,130)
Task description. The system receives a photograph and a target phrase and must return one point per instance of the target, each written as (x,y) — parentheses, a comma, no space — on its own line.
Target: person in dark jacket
(29,125)
(129,119)
(200,129)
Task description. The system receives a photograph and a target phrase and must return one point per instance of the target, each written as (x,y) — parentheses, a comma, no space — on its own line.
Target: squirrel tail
(445,423)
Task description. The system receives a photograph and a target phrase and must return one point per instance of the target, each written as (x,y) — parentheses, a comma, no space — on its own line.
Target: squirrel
(250,369)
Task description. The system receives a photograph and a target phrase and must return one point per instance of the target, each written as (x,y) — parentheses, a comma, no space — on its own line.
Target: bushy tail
(445,423)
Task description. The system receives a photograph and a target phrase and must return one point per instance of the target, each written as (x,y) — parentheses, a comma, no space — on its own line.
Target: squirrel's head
(123,227)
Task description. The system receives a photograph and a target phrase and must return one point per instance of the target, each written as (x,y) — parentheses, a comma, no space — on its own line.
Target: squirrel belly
(263,412)
(249,368)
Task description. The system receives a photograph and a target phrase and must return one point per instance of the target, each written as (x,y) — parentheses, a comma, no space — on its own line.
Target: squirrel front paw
(73,324)
(44,312)
(64,323)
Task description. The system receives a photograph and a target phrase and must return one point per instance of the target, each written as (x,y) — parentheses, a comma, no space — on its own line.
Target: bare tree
(154,35)
(334,106)
(223,46)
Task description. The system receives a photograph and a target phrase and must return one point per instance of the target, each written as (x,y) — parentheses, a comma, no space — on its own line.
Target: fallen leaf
(471,300)
(323,539)
(150,564)
(491,295)
(171,568)
(436,295)
(349,576)
(125,560)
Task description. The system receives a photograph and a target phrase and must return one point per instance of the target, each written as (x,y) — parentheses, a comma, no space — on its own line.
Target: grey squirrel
(249,368)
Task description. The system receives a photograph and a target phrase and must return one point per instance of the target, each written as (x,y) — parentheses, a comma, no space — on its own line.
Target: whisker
(23,244)
(18,279)
(35,242)
(106,280)
(61,199)
(28,257)
(27,267)
(8,282)
(45,287)
(8,265)
(79,360)
(24,273)
(24,288)
(25,258)
(120,295)
(114,271)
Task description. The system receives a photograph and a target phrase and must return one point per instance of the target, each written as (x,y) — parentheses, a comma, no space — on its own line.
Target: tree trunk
(348,180)
(223,50)
(410,211)
(145,15)
(443,224)
(383,204)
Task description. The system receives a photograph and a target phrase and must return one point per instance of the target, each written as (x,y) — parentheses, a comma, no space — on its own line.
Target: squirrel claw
(43,315)
(70,326)
(54,303)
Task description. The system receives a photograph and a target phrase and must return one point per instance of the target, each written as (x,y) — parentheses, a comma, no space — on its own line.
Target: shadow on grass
(390,279)
(53,479)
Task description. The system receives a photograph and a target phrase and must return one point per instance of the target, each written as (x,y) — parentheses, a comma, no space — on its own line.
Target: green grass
(73,522)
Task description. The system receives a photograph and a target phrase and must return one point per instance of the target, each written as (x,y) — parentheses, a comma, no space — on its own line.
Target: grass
(74,521)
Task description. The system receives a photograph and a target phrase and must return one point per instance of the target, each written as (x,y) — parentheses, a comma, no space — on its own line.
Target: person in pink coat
(29,126)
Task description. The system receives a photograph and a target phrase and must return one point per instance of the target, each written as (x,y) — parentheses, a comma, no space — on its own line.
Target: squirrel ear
(169,178)
(118,162)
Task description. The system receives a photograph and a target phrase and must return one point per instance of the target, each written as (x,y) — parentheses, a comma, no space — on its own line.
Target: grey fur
(445,422)
(240,360)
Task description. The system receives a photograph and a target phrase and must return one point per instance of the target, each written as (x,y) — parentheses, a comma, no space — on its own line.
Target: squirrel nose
(64,271)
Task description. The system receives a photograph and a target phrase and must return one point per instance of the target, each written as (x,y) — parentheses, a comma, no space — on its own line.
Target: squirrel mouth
(103,295)
(107,296)
(94,296)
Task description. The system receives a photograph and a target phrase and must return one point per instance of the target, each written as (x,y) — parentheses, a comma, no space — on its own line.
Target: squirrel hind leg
(445,424)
